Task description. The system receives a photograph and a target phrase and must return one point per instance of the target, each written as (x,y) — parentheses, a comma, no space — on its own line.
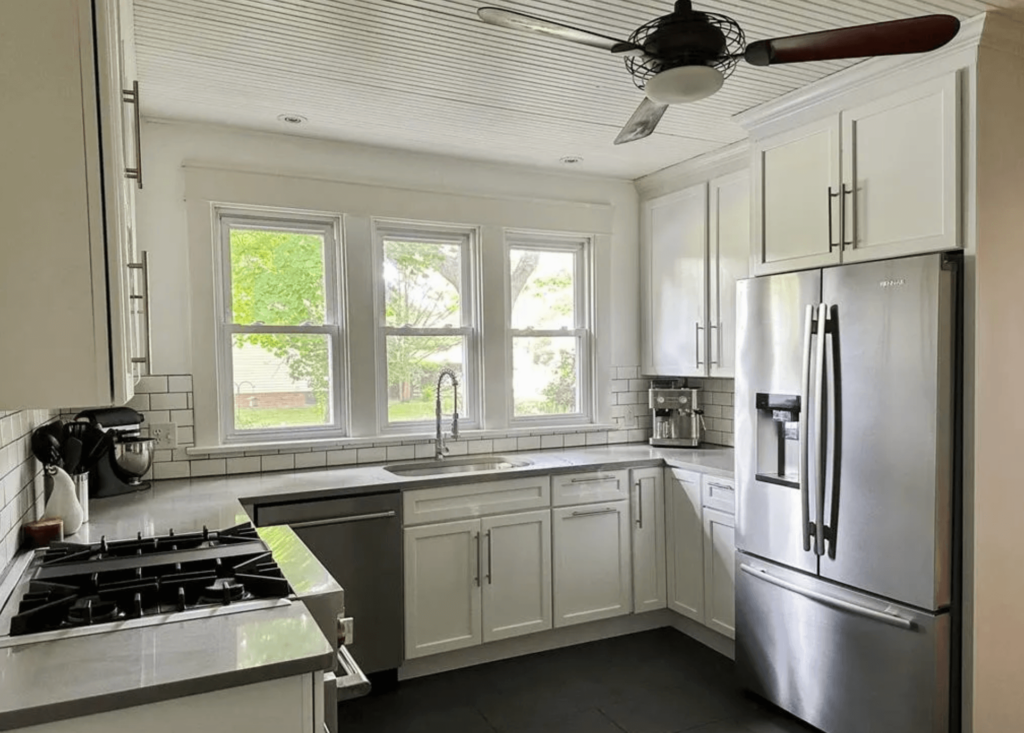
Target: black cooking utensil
(72,455)
(46,447)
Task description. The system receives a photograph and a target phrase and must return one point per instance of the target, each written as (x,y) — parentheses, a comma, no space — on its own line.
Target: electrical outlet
(164,435)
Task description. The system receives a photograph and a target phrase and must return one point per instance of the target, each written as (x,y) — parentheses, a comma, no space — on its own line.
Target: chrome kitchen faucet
(440,449)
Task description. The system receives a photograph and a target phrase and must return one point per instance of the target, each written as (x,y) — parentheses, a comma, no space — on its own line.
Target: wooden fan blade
(524,22)
(911,35)
(643,122)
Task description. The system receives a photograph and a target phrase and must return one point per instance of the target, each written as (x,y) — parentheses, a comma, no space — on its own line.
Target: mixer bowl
(133,456)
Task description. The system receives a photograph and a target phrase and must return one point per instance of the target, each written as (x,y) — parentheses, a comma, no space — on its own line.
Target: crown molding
(720,161)
(869,72)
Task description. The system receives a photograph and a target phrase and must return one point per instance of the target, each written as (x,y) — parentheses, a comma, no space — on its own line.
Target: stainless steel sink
(469,464)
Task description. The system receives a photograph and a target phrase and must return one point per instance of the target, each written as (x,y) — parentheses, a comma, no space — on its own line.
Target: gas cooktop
(69,586)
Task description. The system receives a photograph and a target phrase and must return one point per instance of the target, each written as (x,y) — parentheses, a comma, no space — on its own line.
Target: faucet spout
(440,449)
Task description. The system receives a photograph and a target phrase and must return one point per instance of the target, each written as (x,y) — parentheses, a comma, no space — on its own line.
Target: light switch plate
(164,435)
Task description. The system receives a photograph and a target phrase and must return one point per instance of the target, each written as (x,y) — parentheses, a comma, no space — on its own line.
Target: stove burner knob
(227,594)
(87,613)
(181,598)
(206,534)
(137,602)
(170,533)
(103,544)
(139,536)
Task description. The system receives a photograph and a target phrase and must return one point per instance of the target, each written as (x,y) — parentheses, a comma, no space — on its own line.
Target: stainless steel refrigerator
(847,448)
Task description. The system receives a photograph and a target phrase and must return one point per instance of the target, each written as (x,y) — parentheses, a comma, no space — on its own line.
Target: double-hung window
(427,321)
(550,330)
(279,331)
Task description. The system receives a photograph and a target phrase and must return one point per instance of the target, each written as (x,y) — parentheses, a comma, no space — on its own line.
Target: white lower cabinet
(592,564)
(719,572)
(475,581)
(442,588)
(649,581)
(517,574)
(685,544)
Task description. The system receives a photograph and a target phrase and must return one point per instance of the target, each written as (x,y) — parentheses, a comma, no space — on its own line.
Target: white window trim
(329,227)
(470,388)
(582,246)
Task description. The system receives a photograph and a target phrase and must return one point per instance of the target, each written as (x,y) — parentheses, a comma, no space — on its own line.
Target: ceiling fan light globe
(684,84)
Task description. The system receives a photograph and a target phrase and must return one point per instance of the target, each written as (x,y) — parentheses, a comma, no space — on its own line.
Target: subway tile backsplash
(21,478)
(169,398)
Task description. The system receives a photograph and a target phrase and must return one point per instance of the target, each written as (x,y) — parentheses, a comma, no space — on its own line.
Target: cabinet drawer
(719,493)
(464,501)
(589,487)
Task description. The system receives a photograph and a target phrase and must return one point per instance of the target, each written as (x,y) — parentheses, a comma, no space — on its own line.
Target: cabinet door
(720,572)
(591,562)
(901,192)
(674,236)
(649,581)
(54,266)
(728,261)
(685,544)
(442,588)
(516,574)
(796,187)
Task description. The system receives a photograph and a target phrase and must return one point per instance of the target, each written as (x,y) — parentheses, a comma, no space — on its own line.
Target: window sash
(469,307)
(582,311)
(328,228)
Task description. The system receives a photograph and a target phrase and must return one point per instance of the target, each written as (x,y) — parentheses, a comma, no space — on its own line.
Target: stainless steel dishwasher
(359,540)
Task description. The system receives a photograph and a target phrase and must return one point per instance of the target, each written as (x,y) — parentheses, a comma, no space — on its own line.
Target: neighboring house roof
(257,371)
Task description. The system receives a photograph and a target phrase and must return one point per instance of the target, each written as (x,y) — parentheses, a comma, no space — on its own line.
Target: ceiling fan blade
(643,122)
(524,22)
(911,35)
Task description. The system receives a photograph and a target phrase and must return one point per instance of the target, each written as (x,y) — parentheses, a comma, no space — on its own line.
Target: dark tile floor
(655,682)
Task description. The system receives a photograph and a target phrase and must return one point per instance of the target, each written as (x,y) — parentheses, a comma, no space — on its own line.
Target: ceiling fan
(687,55)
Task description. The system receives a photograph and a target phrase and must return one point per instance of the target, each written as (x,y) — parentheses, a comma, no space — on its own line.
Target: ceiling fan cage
(644,67)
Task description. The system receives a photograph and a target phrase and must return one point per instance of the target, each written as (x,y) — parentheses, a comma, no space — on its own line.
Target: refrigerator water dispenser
(778,439)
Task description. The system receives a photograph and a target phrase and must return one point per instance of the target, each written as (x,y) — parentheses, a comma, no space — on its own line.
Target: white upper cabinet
(796,191)
(65,252)
(592,565)
(729,260)
(877,179)
(674,233)
(649,578)
(901,172)
(516,575)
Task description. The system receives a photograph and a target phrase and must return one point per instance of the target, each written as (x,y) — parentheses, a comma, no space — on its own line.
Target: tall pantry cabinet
(72,285)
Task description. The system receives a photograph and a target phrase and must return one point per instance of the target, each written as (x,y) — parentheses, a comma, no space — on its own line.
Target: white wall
(163,228)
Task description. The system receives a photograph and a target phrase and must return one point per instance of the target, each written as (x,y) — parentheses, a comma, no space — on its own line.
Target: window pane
(281,381)
(545,379)
(543,293)
(414,363)
(277,278)
(422,284)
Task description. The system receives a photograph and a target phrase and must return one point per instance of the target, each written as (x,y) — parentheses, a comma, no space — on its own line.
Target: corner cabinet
(720,572)
(649,580)
(695,246)
(873,181)
(69,266)
(685,544)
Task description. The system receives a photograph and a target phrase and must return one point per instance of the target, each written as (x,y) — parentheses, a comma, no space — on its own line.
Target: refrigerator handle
(839,603)
(805,390)
(821,431)
(836,411)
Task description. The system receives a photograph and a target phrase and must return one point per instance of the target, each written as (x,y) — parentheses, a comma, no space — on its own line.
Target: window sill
(374,441)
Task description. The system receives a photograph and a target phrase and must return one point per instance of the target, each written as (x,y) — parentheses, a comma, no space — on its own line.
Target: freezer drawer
(842,661)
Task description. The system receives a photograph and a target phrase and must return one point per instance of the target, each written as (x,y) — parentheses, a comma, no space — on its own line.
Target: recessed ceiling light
(571,159)
(292,119)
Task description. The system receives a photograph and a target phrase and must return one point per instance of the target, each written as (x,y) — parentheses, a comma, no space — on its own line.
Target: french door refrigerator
(847,446)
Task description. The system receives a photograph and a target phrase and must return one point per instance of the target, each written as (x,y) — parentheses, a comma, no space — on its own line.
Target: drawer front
(465,501)
(719,493)
(589,487)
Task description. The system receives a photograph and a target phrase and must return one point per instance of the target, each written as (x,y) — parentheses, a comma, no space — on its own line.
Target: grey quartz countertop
(218,502)
(72,677)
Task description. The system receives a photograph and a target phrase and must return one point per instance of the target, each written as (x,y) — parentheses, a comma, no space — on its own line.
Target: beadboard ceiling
(427,75)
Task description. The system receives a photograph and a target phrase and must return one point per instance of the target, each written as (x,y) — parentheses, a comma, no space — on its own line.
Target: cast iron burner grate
(105,582)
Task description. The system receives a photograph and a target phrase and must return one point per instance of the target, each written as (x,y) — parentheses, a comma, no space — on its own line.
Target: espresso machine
(118,453)
(678,417)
